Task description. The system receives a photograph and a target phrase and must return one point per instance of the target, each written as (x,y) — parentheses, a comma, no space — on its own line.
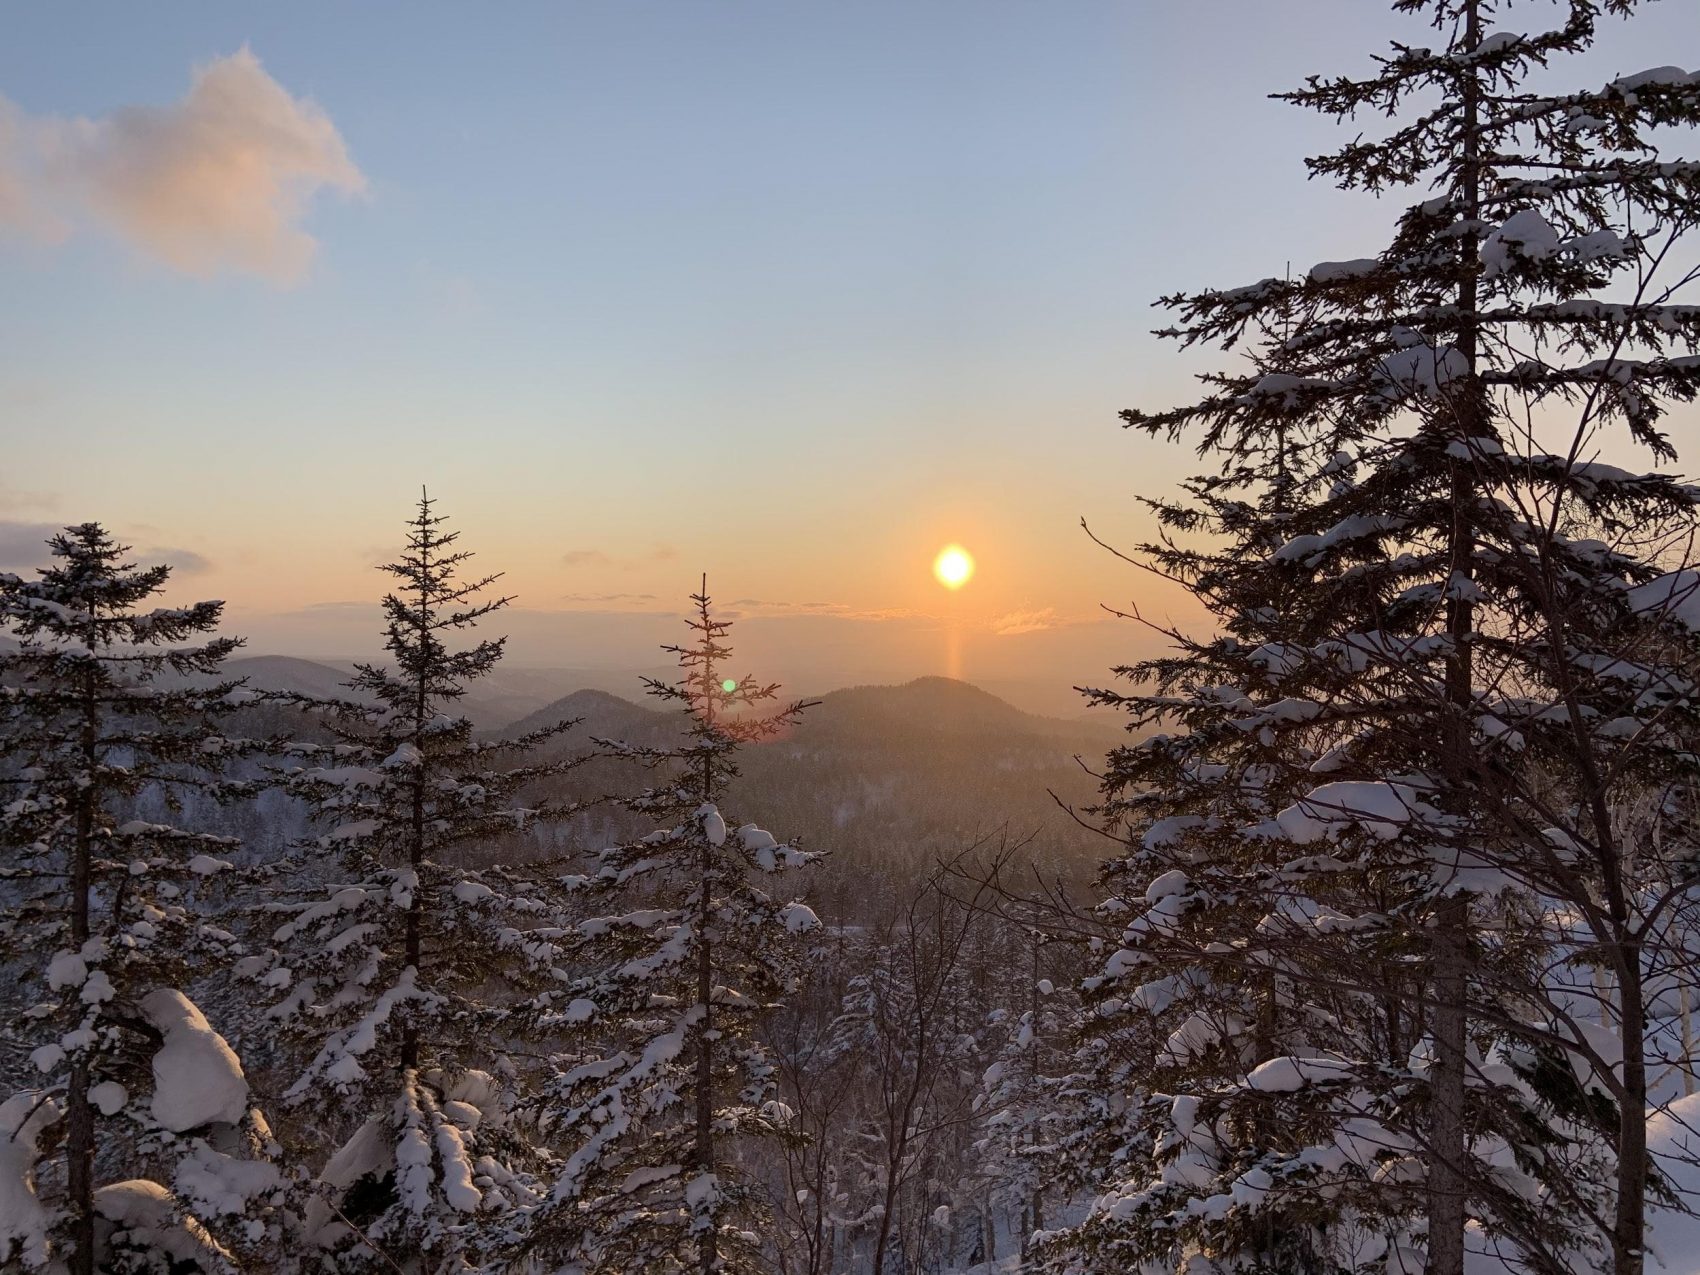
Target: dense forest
(1362,939)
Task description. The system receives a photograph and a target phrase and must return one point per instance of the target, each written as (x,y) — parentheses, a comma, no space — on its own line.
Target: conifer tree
(1397,762)
(670,1085)
(1022,1109)
(102,700)
(411,972)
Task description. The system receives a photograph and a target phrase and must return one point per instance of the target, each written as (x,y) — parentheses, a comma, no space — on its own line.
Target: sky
(790,294)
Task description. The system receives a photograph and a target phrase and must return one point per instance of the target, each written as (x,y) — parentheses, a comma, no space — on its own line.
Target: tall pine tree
(1377,785)
(105,699)
(408,976)
(670,1085)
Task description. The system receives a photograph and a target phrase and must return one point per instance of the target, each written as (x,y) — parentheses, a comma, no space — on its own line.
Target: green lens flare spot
(729,685)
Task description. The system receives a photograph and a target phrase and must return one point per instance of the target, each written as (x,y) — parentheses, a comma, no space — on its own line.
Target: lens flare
(729,685)
(954,567)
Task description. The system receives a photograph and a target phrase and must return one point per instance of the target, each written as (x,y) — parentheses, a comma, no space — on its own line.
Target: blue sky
(791,292)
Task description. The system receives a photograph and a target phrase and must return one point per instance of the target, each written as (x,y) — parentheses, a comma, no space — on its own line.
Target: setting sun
(954,566)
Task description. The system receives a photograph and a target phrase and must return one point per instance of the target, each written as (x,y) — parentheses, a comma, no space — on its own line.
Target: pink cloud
(218,181)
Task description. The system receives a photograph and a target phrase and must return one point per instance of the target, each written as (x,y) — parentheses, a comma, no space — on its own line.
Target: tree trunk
(415,911)
(416,842)
(705,1053)
(79,1112)
(1446,1182)
(1629,1226)
(1447,1188)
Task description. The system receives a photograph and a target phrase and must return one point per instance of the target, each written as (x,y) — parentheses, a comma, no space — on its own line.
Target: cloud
(218,181)
(23,545)
(759,607)
(602,599)
(13,498)
(602,558)
(21,209)
(1025,622)
(183,561)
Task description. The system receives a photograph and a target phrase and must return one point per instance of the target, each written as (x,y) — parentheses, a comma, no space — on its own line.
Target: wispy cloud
(183,561)
(607,599)
(835,610)
(1015,622)
(24,544)
(15,499)
(217,181)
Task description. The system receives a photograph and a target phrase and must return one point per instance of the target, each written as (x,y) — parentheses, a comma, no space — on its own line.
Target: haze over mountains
(509,694)
(888,778)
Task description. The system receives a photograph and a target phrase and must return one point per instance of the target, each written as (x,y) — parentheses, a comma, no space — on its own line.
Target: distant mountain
(603,715)
(286,673)
(889,778)
(927,708)
(944,706)
(491,703)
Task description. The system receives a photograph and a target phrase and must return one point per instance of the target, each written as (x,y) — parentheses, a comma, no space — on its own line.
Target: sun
(954,566)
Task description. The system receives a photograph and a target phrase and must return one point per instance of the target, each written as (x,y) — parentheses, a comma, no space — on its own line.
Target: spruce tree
(667,1084)
(404,980)
(103,700)
(1396,763)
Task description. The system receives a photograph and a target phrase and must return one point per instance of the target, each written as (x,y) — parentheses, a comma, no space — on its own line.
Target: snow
(1663,76)
(471,891)
(799,918)
(146,1210)
(1287,1075)
(366,1153)
(637,1179)
(109,1097)
(47,1057)
(1525,235)
(458,1190)
(1424,369)
(23,1220)
(702,1192)
(1379,808)
(753,838)
(1172,882)
(97,989)
(1284,386)
(1596,245)
(407,755)
(215,1184)
(1675,595)
(713,825)
(1335,271)
(463,1114)
(1165,832)
(66,969)
(198,1079)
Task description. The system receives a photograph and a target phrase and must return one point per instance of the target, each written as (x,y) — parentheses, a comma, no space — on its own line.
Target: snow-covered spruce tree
(1398,758)
(405,979)
(666,1085)
(1021,1109)
(101,922)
